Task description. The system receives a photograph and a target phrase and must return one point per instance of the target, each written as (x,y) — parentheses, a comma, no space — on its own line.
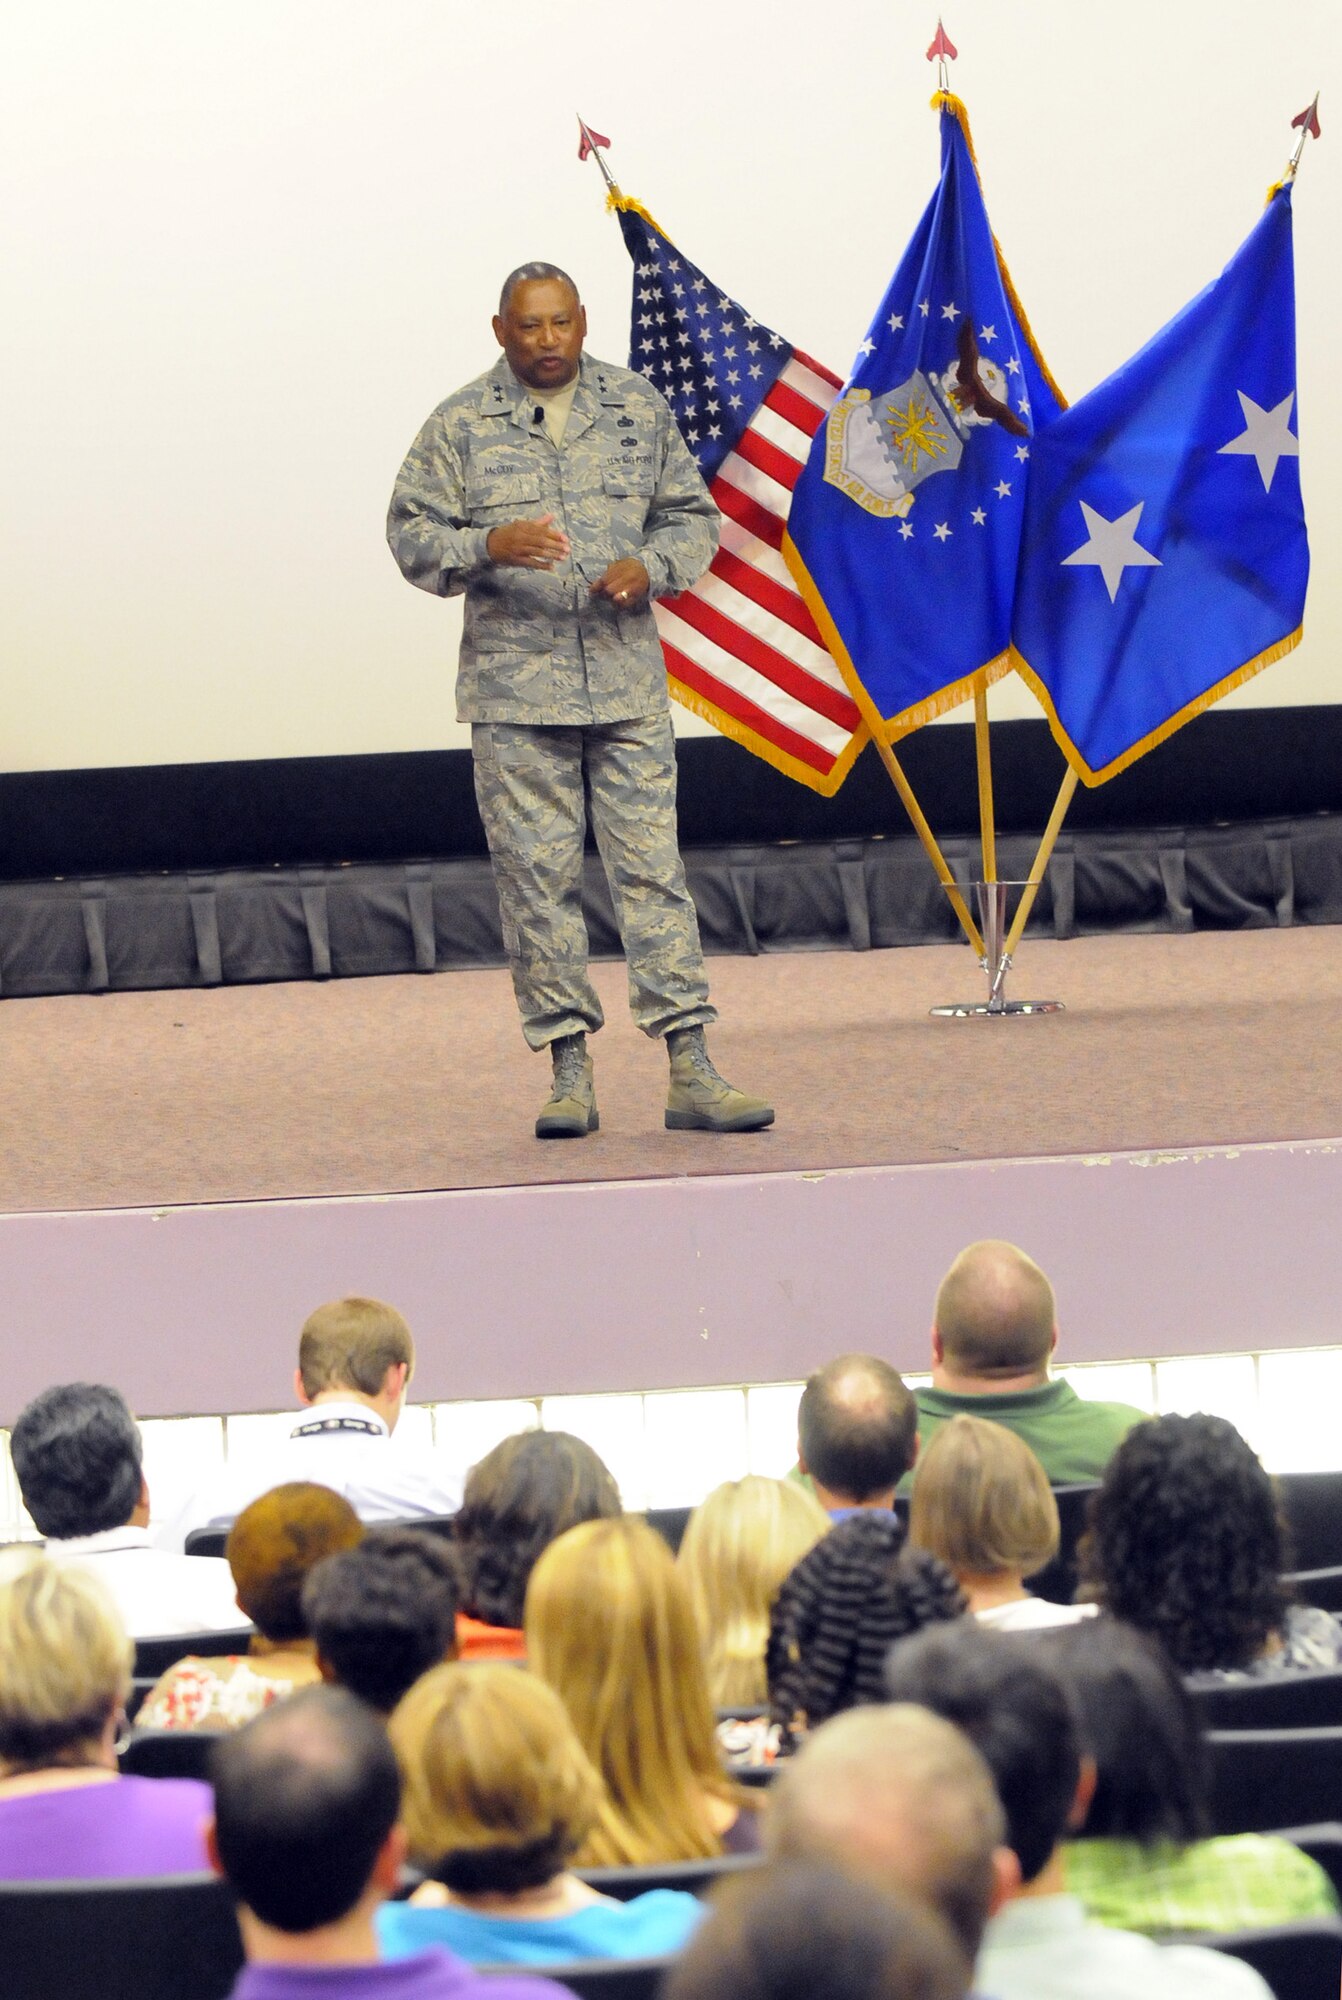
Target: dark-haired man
(557,494)
(79,1462)
(382,1613)
(857,1433)
(994,1332)
(306,1829)
(1000,1690)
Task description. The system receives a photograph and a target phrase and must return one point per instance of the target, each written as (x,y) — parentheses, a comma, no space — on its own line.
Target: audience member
(355,1360)
(271,1547)
(1141,1859)
(305,1828)
(994,1333)
(1001,1690)
(738,1546)
(65,1812)
(1185,1540)
(857,1434)
(900,1798)
(982,1503)
(520,1496)
(609,1627)
(79,1463)
(383,1613)
(837,1614)
(499,1797)
(805,1928)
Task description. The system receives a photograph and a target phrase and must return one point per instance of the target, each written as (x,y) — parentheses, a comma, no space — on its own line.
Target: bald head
(898,1796)
(857,1430)
(995,1314)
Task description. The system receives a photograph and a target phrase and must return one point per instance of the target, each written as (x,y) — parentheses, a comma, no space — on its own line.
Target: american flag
(741,648)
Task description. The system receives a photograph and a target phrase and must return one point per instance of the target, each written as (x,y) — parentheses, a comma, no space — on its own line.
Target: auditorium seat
(169,1753)
(213,1541)
(1265,1778)
(670,1523)
(601,1978)
(1299,1961)
(154,1656)
(696,1876)
(1317,1586)
(1296,1701)
(173,1938)
(1312,1504)
(1058,1580)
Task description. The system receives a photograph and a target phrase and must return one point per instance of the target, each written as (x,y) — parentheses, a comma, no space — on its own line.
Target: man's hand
(528,544)
(625,582)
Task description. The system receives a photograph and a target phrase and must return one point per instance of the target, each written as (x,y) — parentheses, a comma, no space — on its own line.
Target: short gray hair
(528,274)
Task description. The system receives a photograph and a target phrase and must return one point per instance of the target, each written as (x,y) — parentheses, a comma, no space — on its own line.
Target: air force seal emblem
(879,449)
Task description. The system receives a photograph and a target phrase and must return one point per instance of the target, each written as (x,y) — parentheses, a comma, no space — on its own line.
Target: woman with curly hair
(518,1499)
(1185,1540)
(839,1612)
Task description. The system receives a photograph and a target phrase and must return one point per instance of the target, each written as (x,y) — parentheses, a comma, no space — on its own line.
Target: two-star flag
(1164,558)
(905,525)
(741,647)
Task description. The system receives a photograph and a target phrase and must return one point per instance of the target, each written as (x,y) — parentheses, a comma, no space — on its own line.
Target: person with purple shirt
(306,1829)
(65,1668)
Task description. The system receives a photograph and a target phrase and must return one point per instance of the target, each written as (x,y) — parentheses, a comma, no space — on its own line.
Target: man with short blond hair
(355,1360)
(898,1796)
(994,1333)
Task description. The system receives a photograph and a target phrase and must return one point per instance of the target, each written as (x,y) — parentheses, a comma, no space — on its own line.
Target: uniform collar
(502,395)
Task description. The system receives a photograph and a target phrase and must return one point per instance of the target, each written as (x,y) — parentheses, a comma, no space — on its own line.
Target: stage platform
(183,1174)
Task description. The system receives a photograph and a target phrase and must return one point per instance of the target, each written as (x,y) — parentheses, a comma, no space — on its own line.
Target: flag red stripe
(798,410)
(766,592)
(779,465)
(831,702)
(732,703)
(818,368)
(756,520)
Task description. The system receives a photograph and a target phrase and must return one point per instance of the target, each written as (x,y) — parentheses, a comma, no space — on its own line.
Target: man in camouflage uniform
(557,493)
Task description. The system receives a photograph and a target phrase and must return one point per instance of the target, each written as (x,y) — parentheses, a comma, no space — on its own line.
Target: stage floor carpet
(378,1086)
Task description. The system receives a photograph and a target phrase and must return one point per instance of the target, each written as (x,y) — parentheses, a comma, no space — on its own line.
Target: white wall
(246,246)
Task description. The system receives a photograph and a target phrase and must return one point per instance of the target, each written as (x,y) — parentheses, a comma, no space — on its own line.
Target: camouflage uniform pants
(535,786)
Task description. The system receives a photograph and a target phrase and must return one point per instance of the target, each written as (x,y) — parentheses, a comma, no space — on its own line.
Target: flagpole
(987,824)
(1041,861)
(612,185)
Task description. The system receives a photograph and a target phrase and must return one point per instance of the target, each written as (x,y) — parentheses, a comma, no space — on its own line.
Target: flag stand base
(996,962)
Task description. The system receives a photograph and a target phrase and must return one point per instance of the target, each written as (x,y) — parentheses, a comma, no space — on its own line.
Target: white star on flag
(1265,436)
(1112,547)
(906,531)
(867,347)
(942,532)
(951,312)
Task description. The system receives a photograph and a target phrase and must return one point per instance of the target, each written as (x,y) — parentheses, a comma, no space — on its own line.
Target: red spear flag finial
(1309,118)
(589,141)
(942,45)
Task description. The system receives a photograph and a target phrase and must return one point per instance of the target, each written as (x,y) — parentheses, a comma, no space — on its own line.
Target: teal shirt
(649,1926)
(1073,1439)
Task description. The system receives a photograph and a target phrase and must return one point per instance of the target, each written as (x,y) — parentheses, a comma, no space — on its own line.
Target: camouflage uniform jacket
(537,647)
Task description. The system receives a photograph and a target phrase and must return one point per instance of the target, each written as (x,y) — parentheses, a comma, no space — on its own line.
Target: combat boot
(699,1100)
(571,1112)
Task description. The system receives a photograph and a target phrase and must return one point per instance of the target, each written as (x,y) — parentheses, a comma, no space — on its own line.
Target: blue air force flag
(1164,558)
(906,522)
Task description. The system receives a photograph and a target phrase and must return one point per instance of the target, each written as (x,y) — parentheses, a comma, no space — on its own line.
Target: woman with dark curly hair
(1185,1541)
(839,1612)
(521,1496)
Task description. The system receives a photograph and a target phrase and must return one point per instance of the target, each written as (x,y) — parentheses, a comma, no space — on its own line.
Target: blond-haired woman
(739,1545)
(983,1504)
(609,1627)
(499,1797)
(65,1811)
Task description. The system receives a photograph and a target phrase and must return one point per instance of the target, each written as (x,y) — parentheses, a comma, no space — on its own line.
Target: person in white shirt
(1000,1689)
(78,1458)
(355,1360)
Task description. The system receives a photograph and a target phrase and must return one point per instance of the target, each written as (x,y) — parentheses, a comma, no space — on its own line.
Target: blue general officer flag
(1165,557)
(905,525)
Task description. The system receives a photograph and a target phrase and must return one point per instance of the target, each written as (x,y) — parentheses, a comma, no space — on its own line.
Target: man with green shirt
(994,1333)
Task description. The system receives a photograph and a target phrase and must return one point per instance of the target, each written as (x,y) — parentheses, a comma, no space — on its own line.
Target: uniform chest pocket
(502,496)
(627,479)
